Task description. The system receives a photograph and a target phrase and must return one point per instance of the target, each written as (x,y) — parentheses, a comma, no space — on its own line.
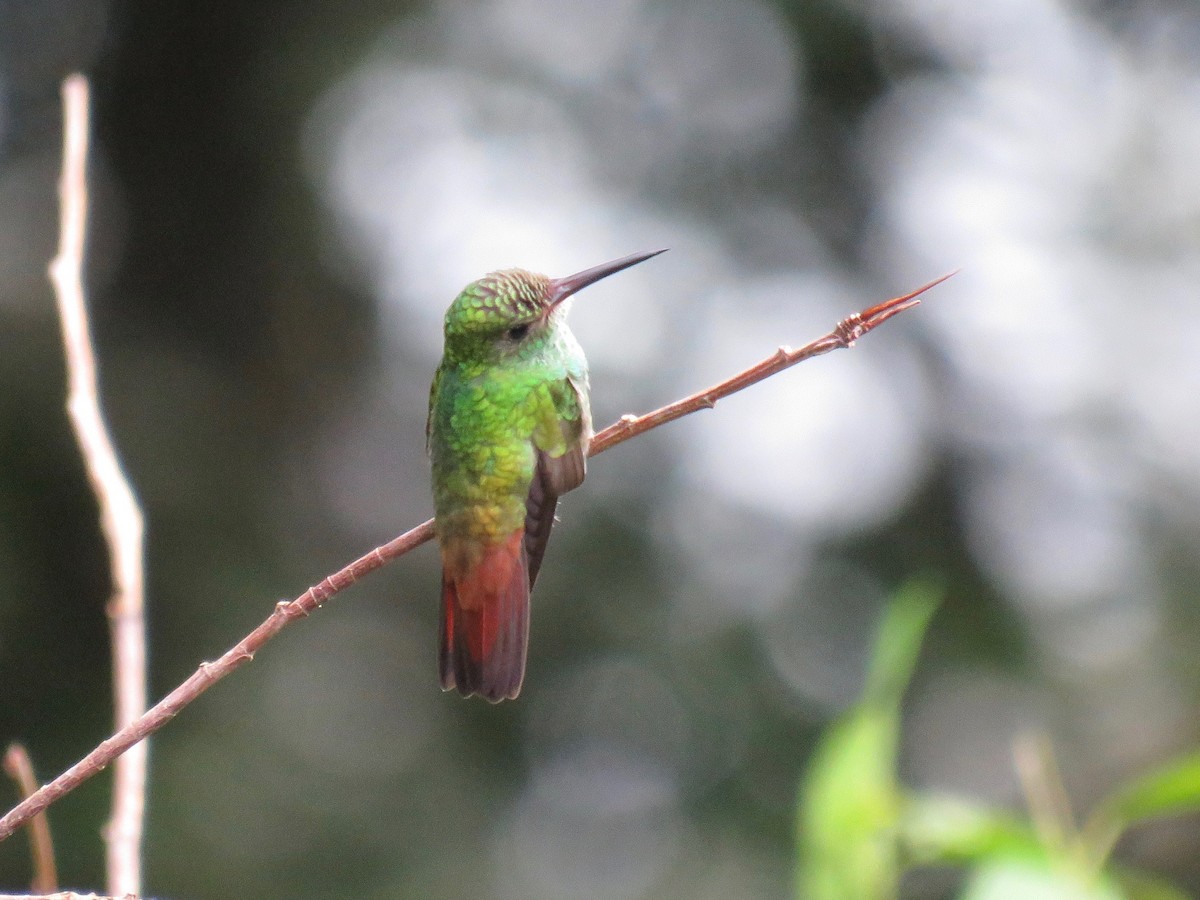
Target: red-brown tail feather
(485,623)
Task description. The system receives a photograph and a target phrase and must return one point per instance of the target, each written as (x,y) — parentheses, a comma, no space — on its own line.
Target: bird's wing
(561,442)
(433,392)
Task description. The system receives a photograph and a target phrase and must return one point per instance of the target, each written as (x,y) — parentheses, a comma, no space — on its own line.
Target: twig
(120,516)
(844,335)
(1045,795)
(41,847)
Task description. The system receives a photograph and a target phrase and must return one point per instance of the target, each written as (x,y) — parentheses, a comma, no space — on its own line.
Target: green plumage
(498,397)
(508,433)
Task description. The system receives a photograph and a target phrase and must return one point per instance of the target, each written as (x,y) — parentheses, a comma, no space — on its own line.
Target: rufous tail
(485,623)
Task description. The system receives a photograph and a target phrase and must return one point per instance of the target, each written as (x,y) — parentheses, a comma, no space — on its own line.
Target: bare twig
(120,516)
(1045,795)
(844,335)
(41,847)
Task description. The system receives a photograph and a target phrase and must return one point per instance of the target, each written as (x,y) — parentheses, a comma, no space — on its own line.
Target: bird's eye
(517,332)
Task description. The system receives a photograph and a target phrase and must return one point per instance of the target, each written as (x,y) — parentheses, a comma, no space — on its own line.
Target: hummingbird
(507,434)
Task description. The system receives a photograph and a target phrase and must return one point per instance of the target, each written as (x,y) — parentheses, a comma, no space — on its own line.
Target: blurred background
(287,195)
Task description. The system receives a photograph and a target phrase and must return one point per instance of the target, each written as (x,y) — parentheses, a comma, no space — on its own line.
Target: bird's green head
(497,303)
(503,312)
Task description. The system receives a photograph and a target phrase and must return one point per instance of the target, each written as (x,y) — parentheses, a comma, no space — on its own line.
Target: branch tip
(19,768)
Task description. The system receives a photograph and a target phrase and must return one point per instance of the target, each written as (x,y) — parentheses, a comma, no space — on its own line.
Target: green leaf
(1169,790)
(899,642)
(1037,879)
(850,802)
(937,828)
(849,810)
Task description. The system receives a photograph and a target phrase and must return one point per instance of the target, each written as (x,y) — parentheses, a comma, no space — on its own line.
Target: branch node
(320,593)
(850,329)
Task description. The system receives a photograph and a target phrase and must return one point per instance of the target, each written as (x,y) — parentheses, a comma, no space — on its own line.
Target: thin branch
(41,847)
(1045,795)
(843,336)
(209,673)
(120,516)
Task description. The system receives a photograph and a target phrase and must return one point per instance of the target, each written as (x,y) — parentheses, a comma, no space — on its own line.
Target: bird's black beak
(562,288)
